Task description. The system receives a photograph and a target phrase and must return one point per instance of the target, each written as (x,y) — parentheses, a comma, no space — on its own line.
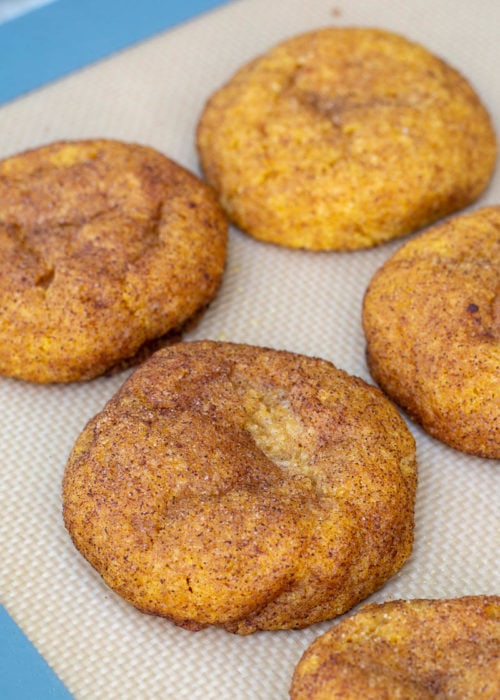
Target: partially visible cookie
(431,317)
(104,247)
(242,487)
(411,649)
(344,138)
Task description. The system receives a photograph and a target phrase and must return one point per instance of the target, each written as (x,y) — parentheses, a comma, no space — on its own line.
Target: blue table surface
(62,36)
(36,48)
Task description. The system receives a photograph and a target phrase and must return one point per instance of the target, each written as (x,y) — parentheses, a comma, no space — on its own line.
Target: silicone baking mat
(153,92)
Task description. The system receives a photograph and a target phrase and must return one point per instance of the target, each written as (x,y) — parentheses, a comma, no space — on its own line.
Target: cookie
(431,317)
(339,139)
(419,649)
(104,247)
(242,487)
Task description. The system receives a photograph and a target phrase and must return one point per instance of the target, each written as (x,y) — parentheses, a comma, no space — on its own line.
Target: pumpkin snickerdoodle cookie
(104,248)
(242,487)
(431,317)
(412,649)
(343,138)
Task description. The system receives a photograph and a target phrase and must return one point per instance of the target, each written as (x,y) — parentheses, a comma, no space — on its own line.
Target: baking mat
(152,93)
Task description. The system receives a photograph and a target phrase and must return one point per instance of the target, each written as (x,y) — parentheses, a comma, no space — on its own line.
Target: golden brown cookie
(431,317)
(408,649)
(242,487)
(104,246)
(343,139)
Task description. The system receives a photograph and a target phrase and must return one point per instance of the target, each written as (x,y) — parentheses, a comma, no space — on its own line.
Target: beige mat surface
(100,646)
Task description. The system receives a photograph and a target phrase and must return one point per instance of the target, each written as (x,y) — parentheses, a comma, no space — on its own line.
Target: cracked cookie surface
(343,139)
(431,317)
(105,246)
(242,487)
(413,649)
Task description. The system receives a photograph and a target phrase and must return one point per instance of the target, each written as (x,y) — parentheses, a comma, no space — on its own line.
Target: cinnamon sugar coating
(104,247)
(411,649)
(431,317)
(343,138)
(242,487)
